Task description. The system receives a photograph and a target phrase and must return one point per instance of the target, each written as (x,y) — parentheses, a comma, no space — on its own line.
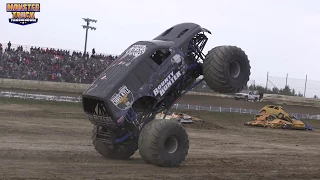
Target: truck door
(166,64)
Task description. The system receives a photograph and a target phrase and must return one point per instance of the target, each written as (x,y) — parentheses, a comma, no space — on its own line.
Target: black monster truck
(149,77)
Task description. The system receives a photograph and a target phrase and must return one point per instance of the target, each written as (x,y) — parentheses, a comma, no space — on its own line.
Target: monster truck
(148,78)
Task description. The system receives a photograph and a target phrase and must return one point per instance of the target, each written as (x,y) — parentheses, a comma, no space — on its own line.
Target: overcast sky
(279,36)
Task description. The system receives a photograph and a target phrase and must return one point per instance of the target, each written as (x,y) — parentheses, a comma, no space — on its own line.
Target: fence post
(240,110)
(267,80)
(188,107)
(250,111)
(210,108)
(305,86)
(177,106)
(25,95)
(230,110)
(220,109)
(10,94)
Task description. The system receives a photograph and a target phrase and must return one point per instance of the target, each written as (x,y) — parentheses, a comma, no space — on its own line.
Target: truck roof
(125,65)
(181,34)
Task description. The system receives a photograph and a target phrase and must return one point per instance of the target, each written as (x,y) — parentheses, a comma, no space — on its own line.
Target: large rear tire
(163,143)
(226,69)
(118,151)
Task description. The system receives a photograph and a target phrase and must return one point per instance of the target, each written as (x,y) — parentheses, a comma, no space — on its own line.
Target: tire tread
(215,65)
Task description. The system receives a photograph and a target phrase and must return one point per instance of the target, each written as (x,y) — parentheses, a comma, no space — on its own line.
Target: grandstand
(49,64)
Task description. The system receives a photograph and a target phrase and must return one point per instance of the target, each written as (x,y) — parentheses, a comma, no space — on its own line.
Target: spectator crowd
(51,64)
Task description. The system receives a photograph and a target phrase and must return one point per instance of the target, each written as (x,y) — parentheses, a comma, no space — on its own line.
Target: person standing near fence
(260,96)
(9,46)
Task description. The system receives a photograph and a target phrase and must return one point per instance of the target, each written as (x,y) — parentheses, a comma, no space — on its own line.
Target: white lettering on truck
(162,88)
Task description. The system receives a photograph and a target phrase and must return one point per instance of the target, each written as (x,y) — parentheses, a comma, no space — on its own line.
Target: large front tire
(163,143)
(121,152)
(226,69)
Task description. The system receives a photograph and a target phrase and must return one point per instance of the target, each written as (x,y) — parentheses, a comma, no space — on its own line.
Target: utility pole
(267,81)
(87,27)
(305,86)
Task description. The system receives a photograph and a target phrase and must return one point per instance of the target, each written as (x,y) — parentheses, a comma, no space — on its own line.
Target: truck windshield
(128,56)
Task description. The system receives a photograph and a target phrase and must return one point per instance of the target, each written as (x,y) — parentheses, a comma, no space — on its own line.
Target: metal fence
(303,86)
(10,94)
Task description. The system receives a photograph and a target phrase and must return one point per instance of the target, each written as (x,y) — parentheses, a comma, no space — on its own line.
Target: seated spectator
(48,64)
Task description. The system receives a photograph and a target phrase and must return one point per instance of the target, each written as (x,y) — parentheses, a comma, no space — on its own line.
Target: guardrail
(10,94)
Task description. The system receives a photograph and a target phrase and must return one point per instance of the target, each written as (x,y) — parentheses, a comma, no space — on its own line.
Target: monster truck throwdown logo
(23,13)
(166,83)
(124,99)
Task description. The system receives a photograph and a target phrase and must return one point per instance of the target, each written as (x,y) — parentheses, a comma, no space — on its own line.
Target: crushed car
(180,117)
(261,120)
(273,109)
(280,121)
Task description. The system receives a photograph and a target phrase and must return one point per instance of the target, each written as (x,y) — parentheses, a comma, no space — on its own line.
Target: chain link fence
(302,87)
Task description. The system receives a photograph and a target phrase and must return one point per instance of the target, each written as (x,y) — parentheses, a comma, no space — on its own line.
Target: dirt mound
(207,123)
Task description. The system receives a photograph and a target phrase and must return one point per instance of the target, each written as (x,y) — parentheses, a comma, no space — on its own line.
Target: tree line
(282,91)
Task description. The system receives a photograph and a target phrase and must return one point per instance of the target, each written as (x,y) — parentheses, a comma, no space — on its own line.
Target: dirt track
(53,142)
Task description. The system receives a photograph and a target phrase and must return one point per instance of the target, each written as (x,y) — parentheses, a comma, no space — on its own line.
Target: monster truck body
(134,76)
(149,74)
(149,77)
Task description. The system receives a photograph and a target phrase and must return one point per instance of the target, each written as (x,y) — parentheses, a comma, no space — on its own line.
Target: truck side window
(160,55)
